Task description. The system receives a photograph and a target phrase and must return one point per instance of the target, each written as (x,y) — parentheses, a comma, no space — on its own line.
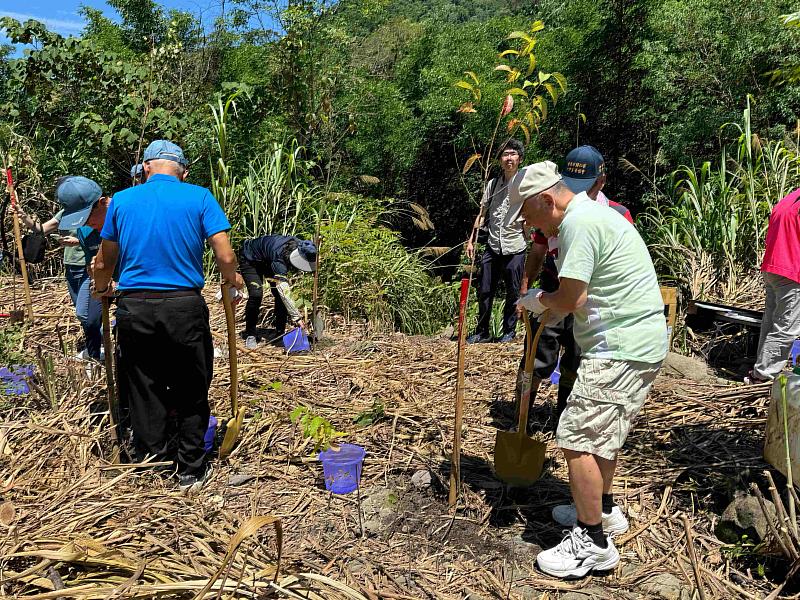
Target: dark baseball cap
(77,195)
(137,171)
(583,166)
(165,150)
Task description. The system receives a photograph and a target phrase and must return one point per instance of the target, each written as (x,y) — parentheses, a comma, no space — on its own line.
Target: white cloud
(62,26)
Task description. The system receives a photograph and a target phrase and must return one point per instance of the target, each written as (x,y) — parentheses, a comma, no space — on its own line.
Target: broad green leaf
(465,85)
(543,77)
(517,92)
(472,75)
(531,64)
(561,81)
(537,26)
(504,68)
(505,53)
(551,89)
(519,35)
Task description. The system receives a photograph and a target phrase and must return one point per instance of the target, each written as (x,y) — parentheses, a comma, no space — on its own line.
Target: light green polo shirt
(74,256)
(623,318)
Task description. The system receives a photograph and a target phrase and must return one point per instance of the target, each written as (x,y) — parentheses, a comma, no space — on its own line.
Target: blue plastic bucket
(296,340)
(795,353)
(342,467)
(211,432)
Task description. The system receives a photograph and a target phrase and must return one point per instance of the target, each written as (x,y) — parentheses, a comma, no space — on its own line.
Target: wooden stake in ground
(18,239)
(693,557)
(110,385)
(455,462)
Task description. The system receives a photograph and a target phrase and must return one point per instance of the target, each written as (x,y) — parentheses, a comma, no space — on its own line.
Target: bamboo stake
(774,530)
(112,393)
(455,462)
(18,239)
(789,479)
(692,557)
(783,517)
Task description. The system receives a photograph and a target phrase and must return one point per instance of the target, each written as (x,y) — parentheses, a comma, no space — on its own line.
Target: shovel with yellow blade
(235,422)
(518,458)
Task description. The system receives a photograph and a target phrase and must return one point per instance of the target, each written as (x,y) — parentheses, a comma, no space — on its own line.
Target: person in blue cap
(82,213)
(157,233)
(272,258)
(137,174)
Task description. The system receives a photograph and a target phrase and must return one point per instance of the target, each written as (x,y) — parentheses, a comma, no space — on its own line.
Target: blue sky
(62,16)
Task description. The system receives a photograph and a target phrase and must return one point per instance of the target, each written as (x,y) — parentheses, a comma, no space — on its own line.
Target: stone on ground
(687,367)
(744,516)
(668,587)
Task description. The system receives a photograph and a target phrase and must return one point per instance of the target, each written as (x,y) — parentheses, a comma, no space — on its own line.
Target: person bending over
(272,258)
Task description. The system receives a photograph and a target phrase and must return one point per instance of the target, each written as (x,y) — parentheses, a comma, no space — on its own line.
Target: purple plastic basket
(342,467)
(211,432)
(296,340)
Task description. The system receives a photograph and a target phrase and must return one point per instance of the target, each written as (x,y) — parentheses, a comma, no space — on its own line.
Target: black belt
(159,294)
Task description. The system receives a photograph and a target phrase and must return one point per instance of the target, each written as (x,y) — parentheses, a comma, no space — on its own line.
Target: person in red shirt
(584,172)
(780,326)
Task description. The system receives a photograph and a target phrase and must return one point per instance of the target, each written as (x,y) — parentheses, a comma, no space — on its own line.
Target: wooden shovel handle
(231,323)
(23,267)
(110,384)
(525,396)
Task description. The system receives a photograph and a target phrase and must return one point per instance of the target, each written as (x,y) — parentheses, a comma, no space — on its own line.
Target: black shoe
(507,337)
(192,482)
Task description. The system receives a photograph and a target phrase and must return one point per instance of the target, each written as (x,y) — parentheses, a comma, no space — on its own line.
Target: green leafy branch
(315,427)
(534,90)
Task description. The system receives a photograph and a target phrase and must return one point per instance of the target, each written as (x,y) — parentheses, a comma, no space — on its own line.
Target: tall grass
(365,272)
(706,231)
(273,196)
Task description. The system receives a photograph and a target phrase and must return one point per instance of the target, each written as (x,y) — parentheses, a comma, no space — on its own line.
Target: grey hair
(559,187)
(175,168)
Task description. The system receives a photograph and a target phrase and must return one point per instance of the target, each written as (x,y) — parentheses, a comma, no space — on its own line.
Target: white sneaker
(576,555)
(614,523)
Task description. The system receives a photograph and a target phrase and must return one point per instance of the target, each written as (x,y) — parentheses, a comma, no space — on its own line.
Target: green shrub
(366,272)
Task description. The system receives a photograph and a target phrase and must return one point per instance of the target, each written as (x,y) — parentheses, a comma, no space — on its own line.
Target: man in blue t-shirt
(157,232)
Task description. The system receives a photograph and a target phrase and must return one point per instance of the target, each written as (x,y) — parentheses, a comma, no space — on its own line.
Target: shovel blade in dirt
(518,458)
(232,429)
(234,425)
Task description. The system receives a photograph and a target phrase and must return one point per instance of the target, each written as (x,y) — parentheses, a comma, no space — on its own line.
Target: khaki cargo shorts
(603,405)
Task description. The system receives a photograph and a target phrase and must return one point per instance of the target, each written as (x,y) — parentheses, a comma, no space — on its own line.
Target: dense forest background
(345,115)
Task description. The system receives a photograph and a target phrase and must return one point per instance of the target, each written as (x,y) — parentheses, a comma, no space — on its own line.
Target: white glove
(530,301)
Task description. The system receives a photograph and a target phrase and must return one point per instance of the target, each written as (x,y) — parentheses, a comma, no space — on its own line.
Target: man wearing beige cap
(608,282)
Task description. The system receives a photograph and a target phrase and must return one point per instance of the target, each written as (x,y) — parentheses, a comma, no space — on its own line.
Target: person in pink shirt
(780,326)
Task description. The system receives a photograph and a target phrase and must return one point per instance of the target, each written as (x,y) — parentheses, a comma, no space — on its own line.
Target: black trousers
(551,342)
(494,268)
(254,275)
(166,364)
